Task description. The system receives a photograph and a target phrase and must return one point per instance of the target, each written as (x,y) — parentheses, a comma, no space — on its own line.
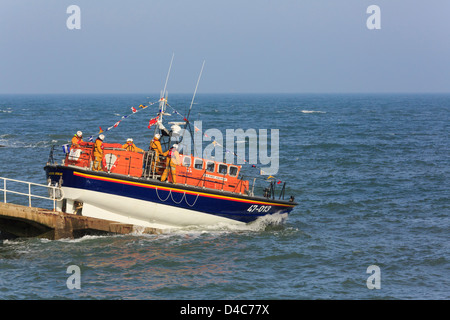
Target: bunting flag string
(133,111)
(115,125)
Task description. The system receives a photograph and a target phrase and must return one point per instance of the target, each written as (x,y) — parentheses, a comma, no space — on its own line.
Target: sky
(249,46)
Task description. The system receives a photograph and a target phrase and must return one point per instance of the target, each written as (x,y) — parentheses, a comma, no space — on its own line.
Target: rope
(170,192)
(191,205)
(180,200)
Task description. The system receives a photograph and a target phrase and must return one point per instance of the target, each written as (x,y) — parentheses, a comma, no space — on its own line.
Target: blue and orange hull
(146,202)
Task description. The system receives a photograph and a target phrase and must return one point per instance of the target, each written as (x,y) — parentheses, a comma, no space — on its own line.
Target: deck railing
(54,191)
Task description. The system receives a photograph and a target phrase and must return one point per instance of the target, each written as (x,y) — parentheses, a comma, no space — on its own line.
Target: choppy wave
(14,143)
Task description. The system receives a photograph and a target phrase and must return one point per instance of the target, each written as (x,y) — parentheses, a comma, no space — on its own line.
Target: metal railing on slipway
(55,192)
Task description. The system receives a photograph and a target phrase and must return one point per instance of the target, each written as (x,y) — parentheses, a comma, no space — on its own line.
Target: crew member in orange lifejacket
(155,146)
(98,153)
(77,140)
(172,157)
(130,146)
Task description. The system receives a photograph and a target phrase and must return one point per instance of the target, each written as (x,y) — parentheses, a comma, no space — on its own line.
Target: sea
(370,173)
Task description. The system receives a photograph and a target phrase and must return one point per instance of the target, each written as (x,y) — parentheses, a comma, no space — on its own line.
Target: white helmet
(79,133)
(175,146)
(101,137)
(129,140)
(157,136)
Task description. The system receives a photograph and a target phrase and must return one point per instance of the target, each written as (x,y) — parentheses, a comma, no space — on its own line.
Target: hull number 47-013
(259,208)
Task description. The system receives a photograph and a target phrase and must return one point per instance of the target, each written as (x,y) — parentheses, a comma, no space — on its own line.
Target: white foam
(312,111)
(86,238)
(259,224)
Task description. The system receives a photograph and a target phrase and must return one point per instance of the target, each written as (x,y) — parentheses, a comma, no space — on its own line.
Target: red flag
(133,109)
(100,130)
(152,122)
(279,181)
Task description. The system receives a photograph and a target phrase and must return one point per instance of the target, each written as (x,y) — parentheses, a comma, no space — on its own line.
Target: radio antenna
(167,78)
(190,107)
(193,97)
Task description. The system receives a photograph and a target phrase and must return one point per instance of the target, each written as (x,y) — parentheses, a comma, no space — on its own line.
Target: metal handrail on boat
(53,190)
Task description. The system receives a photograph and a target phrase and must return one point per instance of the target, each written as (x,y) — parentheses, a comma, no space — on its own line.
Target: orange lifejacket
(155,145)
(131,147)
(98,148)
(172,156)
(77,141)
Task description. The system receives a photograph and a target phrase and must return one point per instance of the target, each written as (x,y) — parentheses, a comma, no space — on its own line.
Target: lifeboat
(128,187)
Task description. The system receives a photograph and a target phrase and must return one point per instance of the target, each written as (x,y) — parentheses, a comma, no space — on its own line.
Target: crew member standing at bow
(98,153)
(172,157)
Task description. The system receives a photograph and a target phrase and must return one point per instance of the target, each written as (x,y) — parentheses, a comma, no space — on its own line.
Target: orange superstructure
(190,170)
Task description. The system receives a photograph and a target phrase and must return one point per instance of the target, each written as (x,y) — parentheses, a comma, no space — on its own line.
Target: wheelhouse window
(223,169)
(198,164)
(210,166)
(233,171)
(187,161)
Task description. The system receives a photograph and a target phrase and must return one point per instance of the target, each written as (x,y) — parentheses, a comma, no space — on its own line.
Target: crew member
(98,153)
(130,146)
(77,140)
(172,157)
(155,146)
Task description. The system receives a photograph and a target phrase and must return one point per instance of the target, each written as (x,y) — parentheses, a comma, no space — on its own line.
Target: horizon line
(222,93)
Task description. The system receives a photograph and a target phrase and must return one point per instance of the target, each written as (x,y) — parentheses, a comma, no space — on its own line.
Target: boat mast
(162,100)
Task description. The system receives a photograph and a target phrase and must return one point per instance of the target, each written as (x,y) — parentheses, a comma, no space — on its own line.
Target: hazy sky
(310,46)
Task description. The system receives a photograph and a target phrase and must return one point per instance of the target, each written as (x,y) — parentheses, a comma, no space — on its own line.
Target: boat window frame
(183,163)
(203,164)
(209,162)
(218,169)
(229,171)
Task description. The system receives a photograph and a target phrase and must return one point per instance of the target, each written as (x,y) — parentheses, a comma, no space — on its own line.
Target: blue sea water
(370,173)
